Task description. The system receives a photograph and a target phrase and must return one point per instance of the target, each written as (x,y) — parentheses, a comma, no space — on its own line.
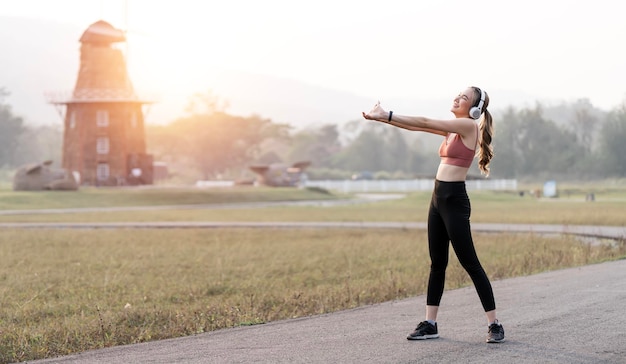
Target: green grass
(65,291)
(504,207)
(123,197)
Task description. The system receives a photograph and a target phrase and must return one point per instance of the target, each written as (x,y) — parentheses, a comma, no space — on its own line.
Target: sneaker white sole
(423,337)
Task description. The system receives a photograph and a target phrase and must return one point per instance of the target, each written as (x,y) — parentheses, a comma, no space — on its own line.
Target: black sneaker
(496,333)
(424,330)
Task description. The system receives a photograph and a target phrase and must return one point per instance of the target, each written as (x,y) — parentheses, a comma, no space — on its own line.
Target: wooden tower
(104,139)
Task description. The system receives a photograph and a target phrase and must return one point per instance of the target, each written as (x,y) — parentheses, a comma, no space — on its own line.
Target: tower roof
(102,76)
(102,32)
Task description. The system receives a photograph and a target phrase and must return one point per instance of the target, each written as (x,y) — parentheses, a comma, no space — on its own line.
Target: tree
(378,148)
(212,143)
(206,103)
(527,144)
(11,127)
(318,145)
(584,124)
(612,145)
(507,152)
(209,142)
(365,153)
(38,144)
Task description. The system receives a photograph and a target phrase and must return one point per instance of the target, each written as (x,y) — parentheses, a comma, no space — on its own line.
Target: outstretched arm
(462,126)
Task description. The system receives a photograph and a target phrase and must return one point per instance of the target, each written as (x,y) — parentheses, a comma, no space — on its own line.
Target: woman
(449,213)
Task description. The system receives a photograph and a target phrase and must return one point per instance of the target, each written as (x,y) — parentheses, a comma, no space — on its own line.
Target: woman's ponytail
(486,149)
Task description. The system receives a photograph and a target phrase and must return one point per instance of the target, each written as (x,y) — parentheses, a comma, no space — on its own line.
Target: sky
(549,49)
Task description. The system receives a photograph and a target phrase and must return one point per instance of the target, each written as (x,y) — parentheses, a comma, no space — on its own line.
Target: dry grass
(64,291)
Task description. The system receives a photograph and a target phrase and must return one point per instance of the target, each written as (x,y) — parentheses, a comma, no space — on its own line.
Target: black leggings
(449,221)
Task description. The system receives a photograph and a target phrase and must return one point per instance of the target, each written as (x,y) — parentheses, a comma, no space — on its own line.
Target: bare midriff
(451,173)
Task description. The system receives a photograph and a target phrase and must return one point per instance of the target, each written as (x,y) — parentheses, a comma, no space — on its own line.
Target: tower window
(103,171)
(102,145)
(72,119)
(102,118)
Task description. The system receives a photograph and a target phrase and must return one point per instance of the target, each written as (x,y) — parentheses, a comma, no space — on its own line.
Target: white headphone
(477,110)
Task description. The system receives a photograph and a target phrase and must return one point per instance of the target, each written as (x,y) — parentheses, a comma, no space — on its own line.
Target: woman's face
(463,103)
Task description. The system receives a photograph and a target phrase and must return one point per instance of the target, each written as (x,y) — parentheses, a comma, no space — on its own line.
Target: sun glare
(180,47)
(183,47)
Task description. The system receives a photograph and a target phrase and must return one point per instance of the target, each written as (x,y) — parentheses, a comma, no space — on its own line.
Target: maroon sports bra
(454,152)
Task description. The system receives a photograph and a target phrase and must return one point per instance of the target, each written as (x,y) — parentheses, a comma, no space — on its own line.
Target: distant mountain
(40,56)
(301,104)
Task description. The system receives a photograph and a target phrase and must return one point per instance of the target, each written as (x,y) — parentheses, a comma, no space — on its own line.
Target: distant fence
(349,186)
(409,185)
(215,183)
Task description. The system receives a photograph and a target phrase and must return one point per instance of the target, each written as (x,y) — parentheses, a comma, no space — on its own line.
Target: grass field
(500,207)
(149,196)
(64,291)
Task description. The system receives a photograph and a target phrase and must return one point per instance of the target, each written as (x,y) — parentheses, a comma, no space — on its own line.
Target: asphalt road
(568,316)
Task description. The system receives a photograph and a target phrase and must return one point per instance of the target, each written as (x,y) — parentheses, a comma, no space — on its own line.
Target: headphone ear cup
(475,112)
